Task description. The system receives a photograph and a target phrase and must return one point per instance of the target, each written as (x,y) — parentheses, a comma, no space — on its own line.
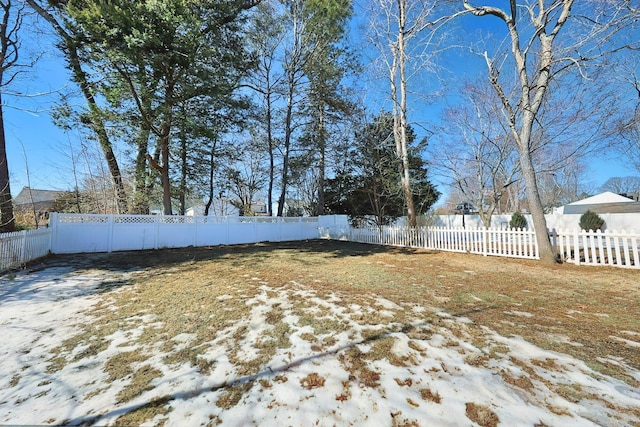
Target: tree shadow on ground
(269,372)
(57,282)
(129,261)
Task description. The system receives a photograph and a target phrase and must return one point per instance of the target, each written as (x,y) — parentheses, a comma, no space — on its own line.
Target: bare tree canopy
(547,39)
(625,185)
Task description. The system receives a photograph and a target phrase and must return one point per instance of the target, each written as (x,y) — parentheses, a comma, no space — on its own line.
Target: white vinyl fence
(77,233)
(23,246)
(608,248)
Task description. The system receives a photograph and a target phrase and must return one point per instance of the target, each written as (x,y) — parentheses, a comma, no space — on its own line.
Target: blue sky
(33,141)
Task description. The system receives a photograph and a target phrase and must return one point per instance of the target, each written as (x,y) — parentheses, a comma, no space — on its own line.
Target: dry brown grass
(427,394)
(205,294)
(481,415)
(313,380)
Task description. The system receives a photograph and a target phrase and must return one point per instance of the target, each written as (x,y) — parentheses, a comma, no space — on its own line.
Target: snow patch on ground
(626,341)
(519,313)
(434,374)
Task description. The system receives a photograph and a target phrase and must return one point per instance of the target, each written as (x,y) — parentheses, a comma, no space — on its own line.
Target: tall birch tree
(405,33)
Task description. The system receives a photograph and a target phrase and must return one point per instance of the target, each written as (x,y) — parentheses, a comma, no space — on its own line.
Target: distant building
(30,200)
(632,196)
(465,208)
(32,206)
(602,203)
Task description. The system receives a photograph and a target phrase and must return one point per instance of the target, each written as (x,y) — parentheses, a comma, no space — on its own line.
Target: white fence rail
(609,248)
(77,233)
(23,246)
(616,221)
(612,248)
(492,241)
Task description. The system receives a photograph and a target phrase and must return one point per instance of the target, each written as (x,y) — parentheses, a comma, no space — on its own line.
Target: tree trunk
(210,196)
(271,150)
(322,148)
(547,255)
(164,171)
(141,179)
(183,175)
(7,220)
(400,114)
(140,174)
(287,144)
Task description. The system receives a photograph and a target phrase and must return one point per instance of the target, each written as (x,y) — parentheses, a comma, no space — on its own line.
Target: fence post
(195,231)
(576,247)
(617,242)
(23,245)
(53,224)
(156,234)
(625,247)
(110,233)
(554,240)
(601,255)
(484,241)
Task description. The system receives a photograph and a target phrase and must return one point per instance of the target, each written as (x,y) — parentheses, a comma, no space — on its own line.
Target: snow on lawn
(435,373)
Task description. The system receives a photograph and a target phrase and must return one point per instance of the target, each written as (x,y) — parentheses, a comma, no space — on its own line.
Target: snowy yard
(324,334)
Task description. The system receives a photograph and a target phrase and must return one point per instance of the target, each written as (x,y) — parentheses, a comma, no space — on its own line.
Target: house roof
(603,203)
(28,196)
(606,197)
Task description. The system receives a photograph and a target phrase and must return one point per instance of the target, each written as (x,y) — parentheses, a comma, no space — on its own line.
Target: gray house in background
(30,200)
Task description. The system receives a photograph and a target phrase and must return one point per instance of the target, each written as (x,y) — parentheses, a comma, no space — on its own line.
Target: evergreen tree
(369,187)
(157,55)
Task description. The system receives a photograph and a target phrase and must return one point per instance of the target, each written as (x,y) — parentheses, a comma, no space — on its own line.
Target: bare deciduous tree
(246,176)
(477,155)
(623,185)
(562,185)
(405,33)
(628,129)
(541,49)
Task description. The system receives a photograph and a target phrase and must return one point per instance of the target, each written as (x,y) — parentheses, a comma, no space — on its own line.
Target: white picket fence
(23,246)
(609,248)
(493,241)
(612,248)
